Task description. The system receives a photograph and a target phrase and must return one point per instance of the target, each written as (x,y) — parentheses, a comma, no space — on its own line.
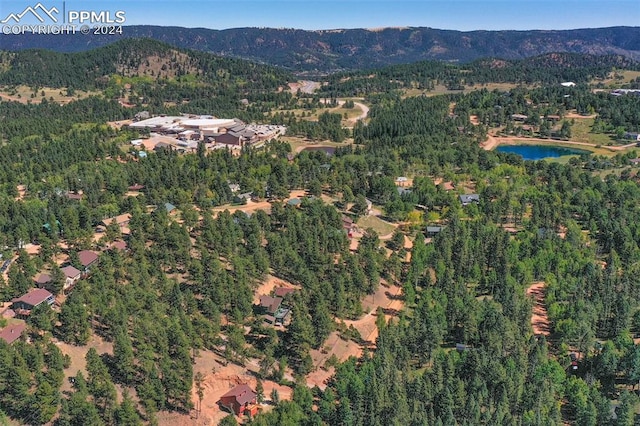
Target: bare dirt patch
(386,297)
(269,285)
(218,380)
(78,354)
(253,206)
(539,317)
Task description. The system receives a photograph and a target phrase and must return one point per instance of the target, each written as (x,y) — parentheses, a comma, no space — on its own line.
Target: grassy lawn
(380,226)
(442,90)
(581,132)
(351,113)
(23,94)
(300,142)
(627,77)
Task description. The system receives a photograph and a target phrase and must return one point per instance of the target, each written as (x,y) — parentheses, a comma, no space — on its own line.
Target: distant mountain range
(354,49)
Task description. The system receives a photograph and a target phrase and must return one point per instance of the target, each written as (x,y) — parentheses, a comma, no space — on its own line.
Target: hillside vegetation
(353,49)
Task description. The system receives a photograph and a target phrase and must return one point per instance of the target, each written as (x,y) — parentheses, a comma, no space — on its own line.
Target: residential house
(136,187)
(270,304)
(119,245)
(294,202)
(122,221)
(43,280)
(24,304)
(275,312)
(71,276)
(170,208)
(467,199)
(519,117)
(432,231)
(240,400)
(87,259)
(283,291)
(12,332)
(74,196)
(402,180)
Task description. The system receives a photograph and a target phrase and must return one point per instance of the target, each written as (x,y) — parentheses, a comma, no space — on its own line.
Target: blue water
(538,152)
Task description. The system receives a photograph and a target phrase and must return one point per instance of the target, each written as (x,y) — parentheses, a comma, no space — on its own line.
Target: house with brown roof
(12,332)
(270,304)
(74,196)
(87,259)
(121,220)
(136,187)
(275,312)
(240,400)
(24,304)
(283,291)
(43,280)
(119,245)
(72,275)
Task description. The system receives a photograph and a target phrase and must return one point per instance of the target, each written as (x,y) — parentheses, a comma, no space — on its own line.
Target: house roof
(136,187)
(120,245)
(294,202)
(70,271)
(283,291)
(12,332)
(468,198)
(120,219)
(434,229)
(87,257)
(169,207)
(270,303)
(43,279)
(34,297)
(241,393)
(74,196)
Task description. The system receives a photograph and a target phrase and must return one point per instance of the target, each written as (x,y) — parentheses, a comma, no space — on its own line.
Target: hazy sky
(462,15)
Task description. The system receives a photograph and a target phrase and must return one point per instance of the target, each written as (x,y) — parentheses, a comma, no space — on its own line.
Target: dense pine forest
(463,349)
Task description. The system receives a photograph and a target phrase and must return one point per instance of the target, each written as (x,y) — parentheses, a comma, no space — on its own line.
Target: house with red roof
(240,400)
(24,304)
(43,280)
(283,291)
(12,332)
(87,259)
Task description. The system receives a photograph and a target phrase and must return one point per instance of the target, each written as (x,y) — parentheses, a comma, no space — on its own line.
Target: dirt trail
(539,317)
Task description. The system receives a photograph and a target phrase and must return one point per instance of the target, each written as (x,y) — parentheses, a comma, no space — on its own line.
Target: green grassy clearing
(378,225)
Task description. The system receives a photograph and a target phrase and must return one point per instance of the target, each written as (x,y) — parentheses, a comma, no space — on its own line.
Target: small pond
(329,150)
(538,152)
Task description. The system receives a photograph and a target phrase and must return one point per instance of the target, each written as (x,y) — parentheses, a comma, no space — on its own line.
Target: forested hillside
(356,49)
(409,208)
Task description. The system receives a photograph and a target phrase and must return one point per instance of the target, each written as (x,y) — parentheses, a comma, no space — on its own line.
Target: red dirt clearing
(539,317)
(389,299)
(269,285)
(218,379)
